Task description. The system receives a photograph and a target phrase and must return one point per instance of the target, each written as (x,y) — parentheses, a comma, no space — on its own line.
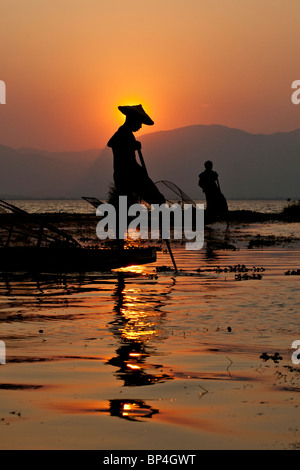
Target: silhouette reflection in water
(131,409)
(136,324)
(216,241)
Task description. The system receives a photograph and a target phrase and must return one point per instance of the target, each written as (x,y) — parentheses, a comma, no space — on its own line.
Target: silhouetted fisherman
(130,178)
(216,204)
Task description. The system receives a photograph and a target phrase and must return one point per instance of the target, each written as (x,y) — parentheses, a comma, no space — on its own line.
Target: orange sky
(68,64)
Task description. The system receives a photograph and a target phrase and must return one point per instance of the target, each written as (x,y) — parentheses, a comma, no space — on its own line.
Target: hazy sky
(68,64)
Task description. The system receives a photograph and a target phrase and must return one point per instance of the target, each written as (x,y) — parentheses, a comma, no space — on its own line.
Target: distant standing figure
(216,204)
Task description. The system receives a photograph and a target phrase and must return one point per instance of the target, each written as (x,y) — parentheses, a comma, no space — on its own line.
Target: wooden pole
(167,241)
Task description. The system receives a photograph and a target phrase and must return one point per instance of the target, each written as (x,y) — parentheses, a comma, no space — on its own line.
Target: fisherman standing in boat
(216,204)
(131,179)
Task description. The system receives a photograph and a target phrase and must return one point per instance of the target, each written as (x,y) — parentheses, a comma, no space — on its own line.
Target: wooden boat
(54,250)
(71,259)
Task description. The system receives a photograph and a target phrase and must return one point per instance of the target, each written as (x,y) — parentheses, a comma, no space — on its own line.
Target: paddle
(167,241)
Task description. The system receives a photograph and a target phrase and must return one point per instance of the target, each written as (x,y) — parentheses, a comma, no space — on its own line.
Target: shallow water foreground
(151,360)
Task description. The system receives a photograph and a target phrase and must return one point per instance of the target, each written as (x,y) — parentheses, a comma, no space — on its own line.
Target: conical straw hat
(138,111)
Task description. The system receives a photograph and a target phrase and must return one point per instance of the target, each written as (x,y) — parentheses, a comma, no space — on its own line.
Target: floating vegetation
(293,272)
(291,211)
(152,276)
(270,240)
(163,268)
(275,357)
(238,268)
(245,277)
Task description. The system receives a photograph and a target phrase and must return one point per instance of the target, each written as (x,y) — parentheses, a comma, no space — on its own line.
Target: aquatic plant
(291,211)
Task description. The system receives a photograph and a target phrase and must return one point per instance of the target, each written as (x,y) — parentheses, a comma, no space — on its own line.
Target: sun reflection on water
(137,326)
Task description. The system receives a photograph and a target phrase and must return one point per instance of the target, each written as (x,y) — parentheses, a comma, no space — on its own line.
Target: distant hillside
(36,173)
(249,165)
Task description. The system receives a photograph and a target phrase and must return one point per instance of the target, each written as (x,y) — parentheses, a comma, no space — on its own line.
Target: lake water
(143,358)
(82,207)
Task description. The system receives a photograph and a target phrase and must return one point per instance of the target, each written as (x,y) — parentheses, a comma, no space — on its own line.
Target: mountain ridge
(250,165)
